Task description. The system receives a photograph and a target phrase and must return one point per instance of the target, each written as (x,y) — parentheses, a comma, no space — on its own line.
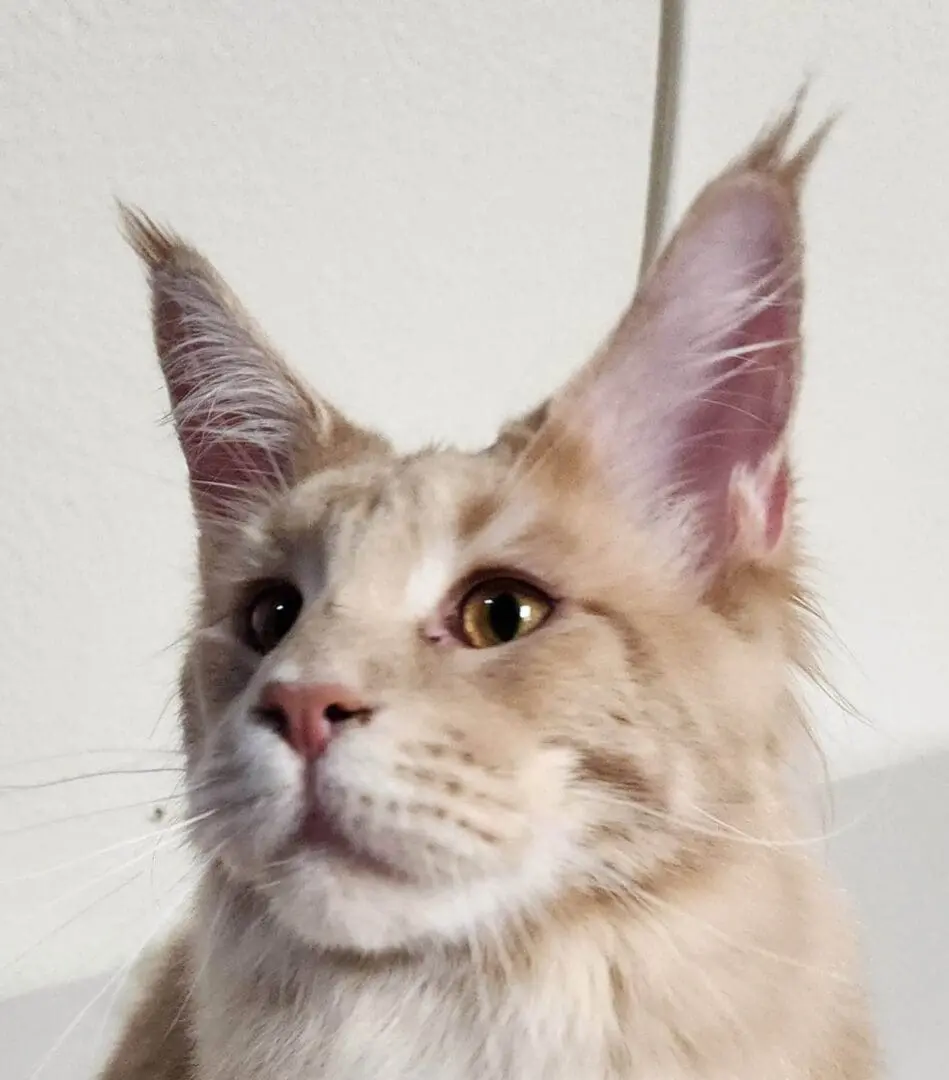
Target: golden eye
(498,611)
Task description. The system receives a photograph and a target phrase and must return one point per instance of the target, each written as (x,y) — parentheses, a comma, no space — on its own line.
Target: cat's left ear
(682,418)
(247,425)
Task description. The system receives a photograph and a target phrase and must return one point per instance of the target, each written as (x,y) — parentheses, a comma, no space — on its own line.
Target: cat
(486,751)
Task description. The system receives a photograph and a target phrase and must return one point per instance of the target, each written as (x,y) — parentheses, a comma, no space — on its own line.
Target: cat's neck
(595,977)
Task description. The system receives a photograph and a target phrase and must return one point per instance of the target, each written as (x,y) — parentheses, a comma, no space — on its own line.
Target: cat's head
(428,694)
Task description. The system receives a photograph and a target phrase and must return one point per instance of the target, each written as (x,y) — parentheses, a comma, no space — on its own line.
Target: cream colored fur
(571,856)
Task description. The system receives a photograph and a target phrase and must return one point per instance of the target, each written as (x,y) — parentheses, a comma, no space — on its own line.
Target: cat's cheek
(245,797)
(463,882)
(219,672)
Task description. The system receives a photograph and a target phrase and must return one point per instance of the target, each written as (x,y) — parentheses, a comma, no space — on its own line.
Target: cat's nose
(305,715)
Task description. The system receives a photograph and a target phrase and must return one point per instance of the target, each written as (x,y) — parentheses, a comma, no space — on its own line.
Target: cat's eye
(501,610)
(269,615)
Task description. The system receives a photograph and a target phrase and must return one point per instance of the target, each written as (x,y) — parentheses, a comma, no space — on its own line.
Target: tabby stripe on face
(618,772)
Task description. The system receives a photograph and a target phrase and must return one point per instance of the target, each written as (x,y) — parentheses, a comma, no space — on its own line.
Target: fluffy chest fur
(716,985)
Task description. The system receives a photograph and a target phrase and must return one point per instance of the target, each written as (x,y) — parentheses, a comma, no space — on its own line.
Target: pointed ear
(683,416)
(247,426)
(516,435)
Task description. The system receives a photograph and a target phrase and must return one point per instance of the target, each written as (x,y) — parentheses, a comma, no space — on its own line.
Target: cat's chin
(320,838)
(335,898)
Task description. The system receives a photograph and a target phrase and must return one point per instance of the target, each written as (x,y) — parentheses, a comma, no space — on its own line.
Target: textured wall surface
(435,209)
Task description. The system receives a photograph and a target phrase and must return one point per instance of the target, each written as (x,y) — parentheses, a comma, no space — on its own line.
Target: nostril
(274,718)
(337,713)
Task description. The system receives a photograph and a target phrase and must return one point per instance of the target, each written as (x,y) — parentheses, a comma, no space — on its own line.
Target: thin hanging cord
(664,124)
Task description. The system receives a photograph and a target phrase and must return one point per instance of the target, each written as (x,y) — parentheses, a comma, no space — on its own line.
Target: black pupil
(273,614)
(504,615)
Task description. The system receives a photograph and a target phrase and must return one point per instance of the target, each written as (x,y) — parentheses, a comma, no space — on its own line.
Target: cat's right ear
(682,419)
(248,427)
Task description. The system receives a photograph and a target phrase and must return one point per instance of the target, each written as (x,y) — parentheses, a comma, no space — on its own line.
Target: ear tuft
(155,246)
(770,153)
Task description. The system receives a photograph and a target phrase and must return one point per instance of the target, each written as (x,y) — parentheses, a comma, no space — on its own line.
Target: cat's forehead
(419,521)
(435,492)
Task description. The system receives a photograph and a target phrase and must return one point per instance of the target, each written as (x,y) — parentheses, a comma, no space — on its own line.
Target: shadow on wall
(894,862)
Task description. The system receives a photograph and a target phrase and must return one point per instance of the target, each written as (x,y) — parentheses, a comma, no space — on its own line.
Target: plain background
(435,209)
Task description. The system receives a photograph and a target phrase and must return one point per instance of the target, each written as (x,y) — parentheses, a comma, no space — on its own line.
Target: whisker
(727,1009)
(17,960)
(730,832)
(131,751)
(116,981)
(197,975)
(737,944)
(69,818)
(45,784)
(62,898)
(172,697)
(160,834)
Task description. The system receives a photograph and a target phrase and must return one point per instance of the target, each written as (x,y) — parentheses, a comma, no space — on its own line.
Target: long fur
(569,856)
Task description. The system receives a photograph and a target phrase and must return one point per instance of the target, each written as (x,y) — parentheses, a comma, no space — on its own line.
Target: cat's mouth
(318,830)
(320,835)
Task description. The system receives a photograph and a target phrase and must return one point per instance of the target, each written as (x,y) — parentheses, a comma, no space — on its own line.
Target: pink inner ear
(223,469)
(740,420)
(685,410)
(776,506)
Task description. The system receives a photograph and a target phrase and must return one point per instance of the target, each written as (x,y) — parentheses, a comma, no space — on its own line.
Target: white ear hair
(244,420)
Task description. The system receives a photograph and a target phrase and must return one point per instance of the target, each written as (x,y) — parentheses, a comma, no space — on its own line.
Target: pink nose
(305,715)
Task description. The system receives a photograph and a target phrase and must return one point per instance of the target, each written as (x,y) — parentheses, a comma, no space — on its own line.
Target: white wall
(436,210)
(890,853)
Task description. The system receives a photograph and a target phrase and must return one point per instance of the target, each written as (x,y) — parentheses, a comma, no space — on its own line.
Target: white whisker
(158,833)
(102,774)
(117,981)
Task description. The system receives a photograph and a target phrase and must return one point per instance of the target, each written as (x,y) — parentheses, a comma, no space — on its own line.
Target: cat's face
(427,695)
(490,774)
